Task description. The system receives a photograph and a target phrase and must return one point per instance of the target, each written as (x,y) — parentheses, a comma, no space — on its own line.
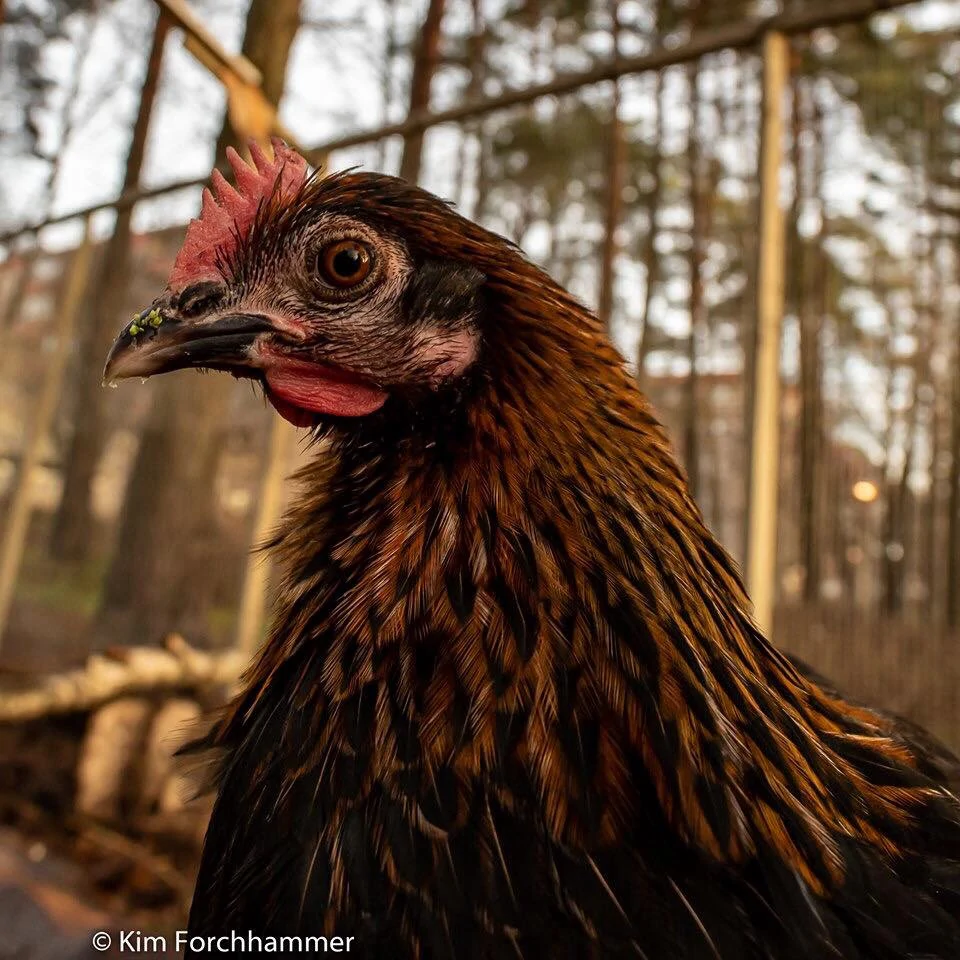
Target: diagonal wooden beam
(737,35)
(251,113)
(206,47)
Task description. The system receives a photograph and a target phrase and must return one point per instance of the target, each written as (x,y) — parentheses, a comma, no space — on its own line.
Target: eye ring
(344,263)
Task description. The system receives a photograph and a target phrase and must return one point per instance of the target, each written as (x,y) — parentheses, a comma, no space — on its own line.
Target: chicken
(513,703)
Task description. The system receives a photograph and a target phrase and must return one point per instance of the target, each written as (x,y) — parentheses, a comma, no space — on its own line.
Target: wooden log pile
(89,770)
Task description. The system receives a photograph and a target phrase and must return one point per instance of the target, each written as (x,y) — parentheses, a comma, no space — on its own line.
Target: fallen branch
(123,672)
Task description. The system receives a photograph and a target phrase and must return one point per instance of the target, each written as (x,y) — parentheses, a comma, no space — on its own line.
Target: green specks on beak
(148,318)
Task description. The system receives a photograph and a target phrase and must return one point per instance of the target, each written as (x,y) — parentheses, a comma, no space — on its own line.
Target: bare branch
(126,671)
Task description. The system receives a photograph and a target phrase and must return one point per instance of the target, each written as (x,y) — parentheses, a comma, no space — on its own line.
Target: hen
(513,703)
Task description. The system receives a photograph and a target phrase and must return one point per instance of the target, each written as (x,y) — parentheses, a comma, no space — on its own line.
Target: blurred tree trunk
(391,12)
(953,499)
(73,525)
(898,501)
(889,520)
(928,536)
(616,161)
(160,574)
(708,414)
(939,506)
(895,523)
(809,269)
(927,539)
(749,72)
(897,487)
(649,255)
(426,57)
(14,303)
(937,263)
(700,204)
(473,130)
(476,43)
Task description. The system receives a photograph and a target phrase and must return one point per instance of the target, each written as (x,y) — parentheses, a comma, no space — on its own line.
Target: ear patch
(444,290)
(227,213)
(443,301)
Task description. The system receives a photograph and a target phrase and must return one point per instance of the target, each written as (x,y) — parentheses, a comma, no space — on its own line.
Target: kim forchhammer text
(236,941)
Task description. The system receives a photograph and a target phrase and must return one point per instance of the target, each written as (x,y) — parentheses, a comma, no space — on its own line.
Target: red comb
(227,213)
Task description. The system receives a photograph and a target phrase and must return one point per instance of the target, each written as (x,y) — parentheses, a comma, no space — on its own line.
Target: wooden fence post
(765,454)
(18,516)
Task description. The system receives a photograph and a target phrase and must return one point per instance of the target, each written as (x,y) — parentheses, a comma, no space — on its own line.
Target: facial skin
(332,313)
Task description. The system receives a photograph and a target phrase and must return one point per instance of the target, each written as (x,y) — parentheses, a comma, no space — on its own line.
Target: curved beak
(156,342)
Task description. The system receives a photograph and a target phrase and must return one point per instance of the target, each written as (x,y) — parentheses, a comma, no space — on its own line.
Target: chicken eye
(345,263)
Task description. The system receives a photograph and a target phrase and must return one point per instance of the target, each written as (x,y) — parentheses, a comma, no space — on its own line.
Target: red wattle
(295,415)
(298,388)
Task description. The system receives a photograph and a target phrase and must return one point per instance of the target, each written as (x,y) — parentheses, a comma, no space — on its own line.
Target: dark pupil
(347,262)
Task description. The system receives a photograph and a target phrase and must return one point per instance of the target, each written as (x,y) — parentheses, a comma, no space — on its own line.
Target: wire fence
(866,175)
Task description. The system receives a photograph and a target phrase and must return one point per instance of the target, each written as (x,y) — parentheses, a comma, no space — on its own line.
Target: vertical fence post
(18,517)
(765,454)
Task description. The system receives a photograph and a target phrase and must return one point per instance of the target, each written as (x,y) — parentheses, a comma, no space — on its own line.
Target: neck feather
(536,583)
